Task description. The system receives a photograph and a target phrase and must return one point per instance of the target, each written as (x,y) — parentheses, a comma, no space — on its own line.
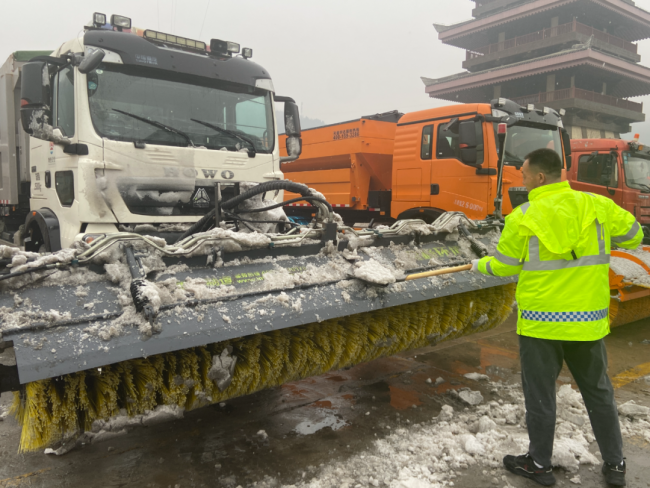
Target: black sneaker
(524,466)
(614,473)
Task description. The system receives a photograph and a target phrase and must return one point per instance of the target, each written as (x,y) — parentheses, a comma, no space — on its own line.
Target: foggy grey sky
(339,59)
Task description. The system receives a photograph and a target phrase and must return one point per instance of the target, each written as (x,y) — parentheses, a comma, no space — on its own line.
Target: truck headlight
(99,19)
(120,21)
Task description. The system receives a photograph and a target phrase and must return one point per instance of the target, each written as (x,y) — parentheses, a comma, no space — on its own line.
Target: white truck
(124,126)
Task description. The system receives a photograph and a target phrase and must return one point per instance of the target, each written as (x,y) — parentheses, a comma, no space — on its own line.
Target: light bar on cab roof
(247,53)
(175,40)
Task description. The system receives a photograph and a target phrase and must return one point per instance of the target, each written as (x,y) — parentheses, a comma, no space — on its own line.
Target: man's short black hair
(547,161)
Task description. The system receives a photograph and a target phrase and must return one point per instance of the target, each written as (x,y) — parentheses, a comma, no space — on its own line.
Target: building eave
(554,62)
(450,33)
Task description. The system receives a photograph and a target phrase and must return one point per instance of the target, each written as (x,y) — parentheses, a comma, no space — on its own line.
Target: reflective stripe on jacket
(559,243)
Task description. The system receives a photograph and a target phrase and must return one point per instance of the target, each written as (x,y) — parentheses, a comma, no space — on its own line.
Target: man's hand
(475,265)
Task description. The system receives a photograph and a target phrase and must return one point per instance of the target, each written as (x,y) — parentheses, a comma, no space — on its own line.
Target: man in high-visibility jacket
(559,244)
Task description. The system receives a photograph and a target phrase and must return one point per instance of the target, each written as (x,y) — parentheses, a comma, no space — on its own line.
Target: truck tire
(42,231)
(429,215)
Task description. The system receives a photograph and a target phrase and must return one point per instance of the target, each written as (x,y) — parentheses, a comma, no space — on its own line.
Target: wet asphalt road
(318,420)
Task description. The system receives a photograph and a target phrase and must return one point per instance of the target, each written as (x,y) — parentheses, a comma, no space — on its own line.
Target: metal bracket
(479,249)
(138,281)
(9,380)
(217,205)
(329,232)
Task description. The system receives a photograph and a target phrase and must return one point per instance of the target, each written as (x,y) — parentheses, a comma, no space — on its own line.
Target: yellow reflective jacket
(559,243)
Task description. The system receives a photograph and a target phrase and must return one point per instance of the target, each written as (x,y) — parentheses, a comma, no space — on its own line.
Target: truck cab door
(53,163)
(600,174)
(458,182)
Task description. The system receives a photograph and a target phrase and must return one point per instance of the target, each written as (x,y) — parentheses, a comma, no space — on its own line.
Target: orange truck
(418,165)
(617,169)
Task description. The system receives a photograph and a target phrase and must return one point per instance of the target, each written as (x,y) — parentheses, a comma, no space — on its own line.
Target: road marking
(23,476)
(630,375)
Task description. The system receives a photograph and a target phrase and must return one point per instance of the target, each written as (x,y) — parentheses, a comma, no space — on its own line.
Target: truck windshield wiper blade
(228,132)
(513,158)
(160,125)
(647,188)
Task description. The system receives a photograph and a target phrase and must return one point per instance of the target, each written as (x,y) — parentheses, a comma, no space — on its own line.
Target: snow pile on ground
(477,377)
(433,454)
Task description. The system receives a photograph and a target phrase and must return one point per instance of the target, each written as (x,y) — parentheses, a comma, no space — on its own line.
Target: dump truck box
(14,146)
(351,163)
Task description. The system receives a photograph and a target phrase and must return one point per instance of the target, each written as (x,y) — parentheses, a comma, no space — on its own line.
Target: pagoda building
(576,55)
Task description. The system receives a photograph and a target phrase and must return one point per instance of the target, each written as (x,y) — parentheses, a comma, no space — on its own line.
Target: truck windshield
(121,96)
(637,171)
(523,139)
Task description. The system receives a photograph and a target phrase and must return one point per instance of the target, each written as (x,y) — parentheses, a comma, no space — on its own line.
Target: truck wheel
(36,242)
(42,231)
(429,215)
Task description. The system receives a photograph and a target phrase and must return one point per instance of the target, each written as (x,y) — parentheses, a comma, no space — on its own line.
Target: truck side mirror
(566,143)
(91,61)
(291,119)
(292,129)
(35,112)
(470,141)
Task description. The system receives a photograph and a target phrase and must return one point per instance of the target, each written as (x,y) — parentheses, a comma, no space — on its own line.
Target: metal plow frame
(50,351)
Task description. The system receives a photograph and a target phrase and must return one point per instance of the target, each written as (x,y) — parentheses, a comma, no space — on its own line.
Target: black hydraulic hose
(36,326)
(267,186)
(287,202)
(196,227)
(188,303)
(33,270)
(237,217)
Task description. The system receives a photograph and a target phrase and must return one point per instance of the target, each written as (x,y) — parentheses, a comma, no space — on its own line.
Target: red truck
(617,169)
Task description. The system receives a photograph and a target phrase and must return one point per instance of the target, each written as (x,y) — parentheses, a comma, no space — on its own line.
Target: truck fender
(48,225)
(427,214)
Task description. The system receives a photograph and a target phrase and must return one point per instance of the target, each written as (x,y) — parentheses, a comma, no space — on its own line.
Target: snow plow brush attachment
(629,280)
(230,313)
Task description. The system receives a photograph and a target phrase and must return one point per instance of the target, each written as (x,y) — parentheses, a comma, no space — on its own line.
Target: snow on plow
(629,280)
(129,322)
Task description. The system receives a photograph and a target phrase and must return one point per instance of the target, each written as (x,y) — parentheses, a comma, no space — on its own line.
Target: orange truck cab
(425,163)
(617,169)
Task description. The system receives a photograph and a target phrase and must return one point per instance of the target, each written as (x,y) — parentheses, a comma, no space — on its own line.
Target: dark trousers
(541,362)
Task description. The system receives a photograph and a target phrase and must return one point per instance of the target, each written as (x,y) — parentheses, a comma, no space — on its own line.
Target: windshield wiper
(230,133)
(647,188)
(160,125)
(514,158)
